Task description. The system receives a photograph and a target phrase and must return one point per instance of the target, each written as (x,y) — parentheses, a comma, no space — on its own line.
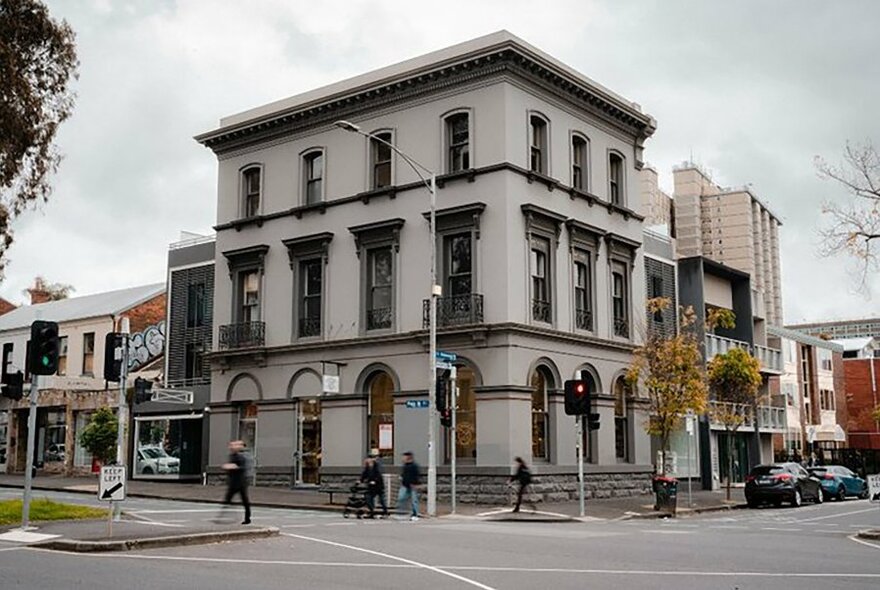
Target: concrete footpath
(312,499)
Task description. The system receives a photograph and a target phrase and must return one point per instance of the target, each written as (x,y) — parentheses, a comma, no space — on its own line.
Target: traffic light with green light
(44,348)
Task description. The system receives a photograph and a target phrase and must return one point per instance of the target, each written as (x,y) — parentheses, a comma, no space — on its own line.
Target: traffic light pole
(29,464)
(122,414)
(453,441)
(579,420)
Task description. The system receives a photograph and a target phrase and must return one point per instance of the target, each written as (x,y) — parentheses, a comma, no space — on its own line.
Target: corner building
(323,268)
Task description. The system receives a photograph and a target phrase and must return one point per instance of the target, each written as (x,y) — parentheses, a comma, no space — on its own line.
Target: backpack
(525,476)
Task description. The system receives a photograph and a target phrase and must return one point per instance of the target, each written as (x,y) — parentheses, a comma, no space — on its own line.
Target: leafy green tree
(735,380)
(99,435)
(37,62)
(670,371)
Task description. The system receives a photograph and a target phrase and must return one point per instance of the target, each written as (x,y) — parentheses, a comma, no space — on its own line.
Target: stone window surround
(621,251)
(542,224)
(457,220)
(299,250)
(545,155)
(376,235)
(445,164)
(584,241)
(242,189)
(240,261)
(304,157)
(586,165)
(622,188)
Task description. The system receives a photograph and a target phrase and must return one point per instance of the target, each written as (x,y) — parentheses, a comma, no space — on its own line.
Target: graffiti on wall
(146,346)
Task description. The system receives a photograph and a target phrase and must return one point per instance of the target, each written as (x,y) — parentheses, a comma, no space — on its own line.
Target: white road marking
(154,523)
(10,549)
(770,528)
(662,572)
(394,558)
(863,542)
(297,526)
(498,511)
(667,532)
(838,515)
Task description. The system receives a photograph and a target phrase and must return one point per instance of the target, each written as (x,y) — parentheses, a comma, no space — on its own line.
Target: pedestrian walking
(410,478)
(236,478)
(523,477)
(372,477)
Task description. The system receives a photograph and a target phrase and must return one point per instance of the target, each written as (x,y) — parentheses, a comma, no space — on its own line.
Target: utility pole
(453,437)
(122,414)
(579,421)
(29,464)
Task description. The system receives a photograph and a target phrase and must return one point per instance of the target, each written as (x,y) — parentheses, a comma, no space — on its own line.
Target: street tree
(669,370)
(99,436)
(37,63)
(53,291)
(852,224)
(734,380)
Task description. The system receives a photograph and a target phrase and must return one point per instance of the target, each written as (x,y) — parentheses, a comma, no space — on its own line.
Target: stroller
(357,501)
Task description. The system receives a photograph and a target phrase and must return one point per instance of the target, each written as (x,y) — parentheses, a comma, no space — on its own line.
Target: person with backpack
(522,476)
(237,477)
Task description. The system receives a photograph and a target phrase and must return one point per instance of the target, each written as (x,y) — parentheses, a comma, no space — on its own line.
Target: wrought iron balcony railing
(246,335)
(458,310)
(379,318)
(541,310)
(621,327)
(583,319)
(309,327)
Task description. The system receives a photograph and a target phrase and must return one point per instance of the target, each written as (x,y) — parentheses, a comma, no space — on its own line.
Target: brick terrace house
(861,362)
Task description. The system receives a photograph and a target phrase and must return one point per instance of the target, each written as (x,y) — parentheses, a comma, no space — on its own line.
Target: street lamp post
(435,292)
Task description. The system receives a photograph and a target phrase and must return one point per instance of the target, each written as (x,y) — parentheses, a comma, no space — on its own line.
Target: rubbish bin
(665,494)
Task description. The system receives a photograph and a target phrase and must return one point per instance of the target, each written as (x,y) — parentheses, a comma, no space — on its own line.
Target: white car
(155,461)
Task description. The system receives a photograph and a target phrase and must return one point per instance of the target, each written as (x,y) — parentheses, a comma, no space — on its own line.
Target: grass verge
(45,509)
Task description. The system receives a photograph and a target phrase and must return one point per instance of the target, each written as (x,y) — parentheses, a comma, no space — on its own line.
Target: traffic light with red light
(43,358)
(577,397)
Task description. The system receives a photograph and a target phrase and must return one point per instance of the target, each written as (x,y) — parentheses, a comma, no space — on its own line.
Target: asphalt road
(809,547)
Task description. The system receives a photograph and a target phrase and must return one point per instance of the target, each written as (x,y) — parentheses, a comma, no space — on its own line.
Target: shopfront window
(168,447)
(51,439)
(541,382)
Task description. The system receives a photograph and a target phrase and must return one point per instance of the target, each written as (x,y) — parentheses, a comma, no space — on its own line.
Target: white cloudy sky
(753,90)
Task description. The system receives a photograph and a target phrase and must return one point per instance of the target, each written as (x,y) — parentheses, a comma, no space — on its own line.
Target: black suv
(782,482)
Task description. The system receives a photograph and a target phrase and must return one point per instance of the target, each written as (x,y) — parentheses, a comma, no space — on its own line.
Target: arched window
(381,414)
(458,151)
(615,179)
(580,149)
(465,418)
(541,383)
(251,189)
(621,425)
(538,144)
(313,177)
(380,159)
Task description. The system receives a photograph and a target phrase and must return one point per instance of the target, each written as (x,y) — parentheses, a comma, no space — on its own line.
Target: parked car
(838,482)
(153,460)
(782,482)
(55,452)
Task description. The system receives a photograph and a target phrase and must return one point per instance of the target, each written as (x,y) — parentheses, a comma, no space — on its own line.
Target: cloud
(752,90)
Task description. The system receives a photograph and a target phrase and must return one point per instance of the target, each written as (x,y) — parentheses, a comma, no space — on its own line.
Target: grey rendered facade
(323,268)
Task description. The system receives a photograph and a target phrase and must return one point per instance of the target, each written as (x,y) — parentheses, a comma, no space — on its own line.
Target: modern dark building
(171,436)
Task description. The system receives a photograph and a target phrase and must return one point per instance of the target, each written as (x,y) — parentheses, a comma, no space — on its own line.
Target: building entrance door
(739,449)
(307,453)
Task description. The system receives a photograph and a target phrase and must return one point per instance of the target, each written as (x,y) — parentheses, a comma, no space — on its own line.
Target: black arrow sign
(109,493)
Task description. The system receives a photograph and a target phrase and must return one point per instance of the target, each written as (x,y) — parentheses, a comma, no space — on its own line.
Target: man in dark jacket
(523,477)
(372,477)
(236,478)
(410,478)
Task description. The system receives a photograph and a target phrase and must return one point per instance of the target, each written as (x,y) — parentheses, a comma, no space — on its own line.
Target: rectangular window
(310,288)
(250,297)
(579,163)
(379,295)
(380,157)
(313,168)
(459,268)
(583,295)
(251,189)
(458,141)
(540,280)
(88,362)
(618,301)
(193,358)
(538,144)
(195,305)
(62,355)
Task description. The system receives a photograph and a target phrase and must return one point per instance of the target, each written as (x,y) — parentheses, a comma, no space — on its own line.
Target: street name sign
(417,403)
(448,357)
(874,487)
(112,484)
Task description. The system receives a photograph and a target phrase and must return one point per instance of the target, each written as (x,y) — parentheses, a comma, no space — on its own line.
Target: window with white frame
(311,286)
(458,150)
(313,175)
(583,292)
(619,302)
(251,182)
(249,296)
(380,280)
(539,268)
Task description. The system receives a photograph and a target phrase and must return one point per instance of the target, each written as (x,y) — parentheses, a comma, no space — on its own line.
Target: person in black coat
(523,477)
(410,479)
(236,474)
(372,477)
